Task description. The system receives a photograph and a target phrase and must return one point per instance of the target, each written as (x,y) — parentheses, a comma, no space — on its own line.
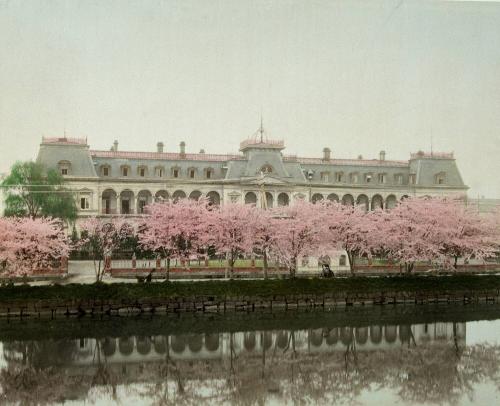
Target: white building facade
(115,182)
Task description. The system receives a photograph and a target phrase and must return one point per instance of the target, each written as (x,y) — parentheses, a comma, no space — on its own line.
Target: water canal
(373,355)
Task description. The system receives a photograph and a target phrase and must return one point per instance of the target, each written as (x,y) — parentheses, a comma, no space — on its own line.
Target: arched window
(267,169)
(250,198)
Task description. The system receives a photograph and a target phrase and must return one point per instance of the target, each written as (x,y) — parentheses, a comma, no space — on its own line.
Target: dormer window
(339,177)
(159,172)
(440,178)
(209,173)
(64,167)
(382,178)
(105,170)
(125,171)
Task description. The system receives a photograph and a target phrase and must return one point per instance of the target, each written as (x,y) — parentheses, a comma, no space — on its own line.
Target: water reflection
(411,363)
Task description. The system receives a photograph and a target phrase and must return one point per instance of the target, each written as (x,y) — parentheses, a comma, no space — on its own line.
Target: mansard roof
(257,154)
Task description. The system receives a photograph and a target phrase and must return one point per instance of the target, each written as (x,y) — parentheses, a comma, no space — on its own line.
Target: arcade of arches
(128,202)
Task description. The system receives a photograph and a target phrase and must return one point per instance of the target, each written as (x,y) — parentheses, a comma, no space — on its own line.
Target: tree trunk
(350,257)
(265,264)
(231,264)
(455,263)
(168,268)
(293,267)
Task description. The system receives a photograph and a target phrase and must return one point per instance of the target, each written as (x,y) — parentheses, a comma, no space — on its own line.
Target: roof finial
(261,129)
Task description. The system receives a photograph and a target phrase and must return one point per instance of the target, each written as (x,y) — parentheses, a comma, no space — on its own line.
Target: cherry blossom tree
(100,237)
(297,232)
(435,229)
(232,230)
(463,233)
(176,229)
(350,228)
(28,244)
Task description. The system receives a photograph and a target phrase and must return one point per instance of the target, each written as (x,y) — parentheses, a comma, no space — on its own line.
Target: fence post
(134,261)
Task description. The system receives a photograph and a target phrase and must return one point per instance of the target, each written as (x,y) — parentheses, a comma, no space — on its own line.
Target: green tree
(33,191)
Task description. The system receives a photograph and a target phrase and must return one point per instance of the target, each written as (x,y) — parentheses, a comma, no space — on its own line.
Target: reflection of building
(245,365)
(219,346)
(123,182)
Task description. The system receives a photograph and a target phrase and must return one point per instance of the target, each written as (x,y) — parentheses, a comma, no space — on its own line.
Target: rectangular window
(105,171)
(325,176)
(176,173)
(381,178)
(398,179)
(368,178)
(354,178)
(125,172)
(64,171)
(142,172)
(209,174)
(191,173)
(84,203)
(338,176)
(413,179)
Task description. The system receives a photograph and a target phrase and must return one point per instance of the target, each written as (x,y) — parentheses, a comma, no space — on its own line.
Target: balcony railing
(64,140)
(251,142)
(437,155)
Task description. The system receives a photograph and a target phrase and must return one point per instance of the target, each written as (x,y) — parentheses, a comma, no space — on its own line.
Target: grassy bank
(260,288)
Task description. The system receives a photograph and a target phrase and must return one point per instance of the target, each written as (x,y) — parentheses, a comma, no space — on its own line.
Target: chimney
(159,147)
(202,151)
(115,146)
(360,156)
(183,149)
(382,156)
(326,154)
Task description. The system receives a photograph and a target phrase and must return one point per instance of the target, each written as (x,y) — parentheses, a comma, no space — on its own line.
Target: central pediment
(263,180)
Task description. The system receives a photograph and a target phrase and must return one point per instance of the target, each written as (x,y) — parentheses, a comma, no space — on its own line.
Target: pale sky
(356,76)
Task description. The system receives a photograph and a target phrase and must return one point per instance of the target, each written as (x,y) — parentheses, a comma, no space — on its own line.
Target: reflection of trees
(285,366)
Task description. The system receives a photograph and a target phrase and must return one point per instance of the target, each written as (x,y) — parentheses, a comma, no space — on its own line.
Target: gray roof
(78,155)
(87,163)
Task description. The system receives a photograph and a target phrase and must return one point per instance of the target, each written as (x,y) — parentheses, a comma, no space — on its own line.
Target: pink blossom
(29,244)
